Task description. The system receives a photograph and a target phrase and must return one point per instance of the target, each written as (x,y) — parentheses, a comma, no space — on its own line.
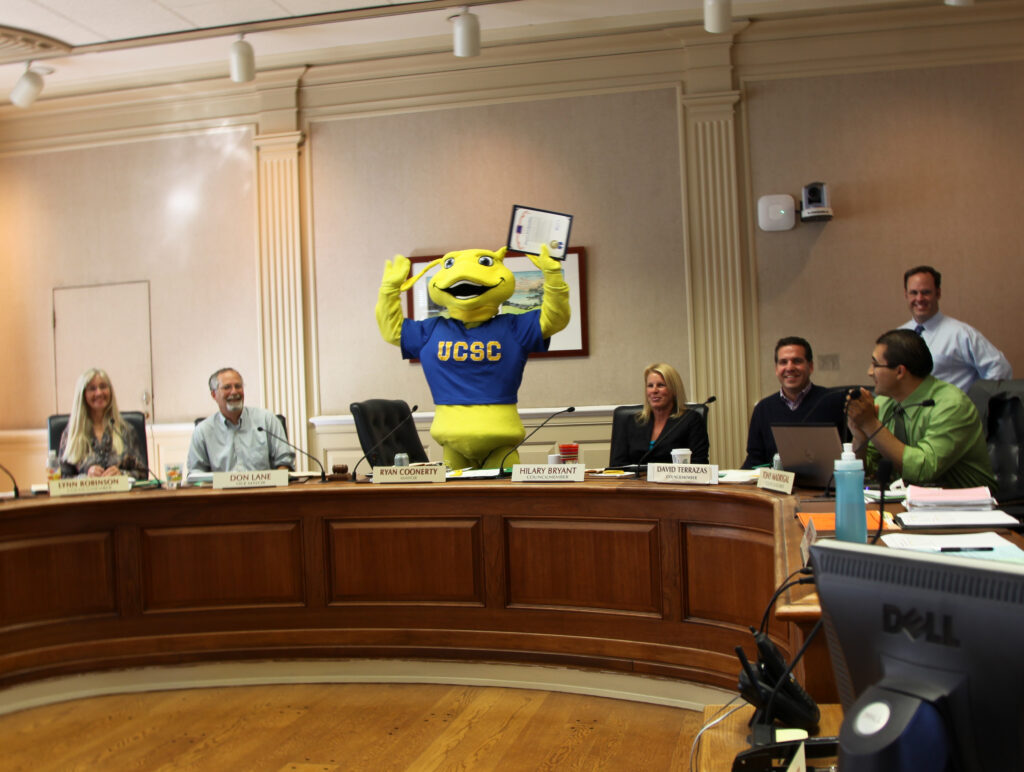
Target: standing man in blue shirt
(236,437)
(961,354)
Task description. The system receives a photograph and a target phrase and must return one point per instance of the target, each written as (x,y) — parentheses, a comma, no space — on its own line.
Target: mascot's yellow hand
(395,272)
(545,261)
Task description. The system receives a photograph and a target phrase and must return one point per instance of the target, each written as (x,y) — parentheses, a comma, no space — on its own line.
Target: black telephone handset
(792,705)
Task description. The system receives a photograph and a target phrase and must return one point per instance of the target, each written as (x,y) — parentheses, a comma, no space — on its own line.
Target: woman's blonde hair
(675,385)
(80,431)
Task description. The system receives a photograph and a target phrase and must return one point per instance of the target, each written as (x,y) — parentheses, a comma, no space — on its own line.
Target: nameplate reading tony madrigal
(77,486)
(776,480)
(265,478)
(430,473)
(547,472)
(683,474)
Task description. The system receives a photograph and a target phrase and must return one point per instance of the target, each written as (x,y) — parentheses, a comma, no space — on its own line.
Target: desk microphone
(884,476)
(381,441)
(902,409)
(136,464)
(13,481)
(323,472)
(501,466)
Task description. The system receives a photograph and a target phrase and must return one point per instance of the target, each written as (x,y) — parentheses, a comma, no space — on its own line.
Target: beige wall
(922,166)
(177,211)
(429,182)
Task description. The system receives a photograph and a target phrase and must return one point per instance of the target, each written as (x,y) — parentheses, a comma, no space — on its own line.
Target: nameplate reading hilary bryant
(78,486)
(265,478)
(389,475)
(683,474)
(548,472)
(776,480)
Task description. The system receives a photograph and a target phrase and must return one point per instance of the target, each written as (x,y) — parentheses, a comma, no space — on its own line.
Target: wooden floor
(328,727)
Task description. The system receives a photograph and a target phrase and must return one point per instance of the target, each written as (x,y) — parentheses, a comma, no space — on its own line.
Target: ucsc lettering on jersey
(475,351)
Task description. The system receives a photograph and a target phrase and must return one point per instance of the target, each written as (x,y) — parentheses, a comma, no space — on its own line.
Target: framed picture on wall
(573,341)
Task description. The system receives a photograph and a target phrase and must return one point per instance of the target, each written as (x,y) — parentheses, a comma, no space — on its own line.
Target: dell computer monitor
(928,654)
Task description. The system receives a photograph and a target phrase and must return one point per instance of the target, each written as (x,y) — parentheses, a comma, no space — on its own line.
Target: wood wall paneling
(57,577)
(595,565)
(211,566)
(387,561)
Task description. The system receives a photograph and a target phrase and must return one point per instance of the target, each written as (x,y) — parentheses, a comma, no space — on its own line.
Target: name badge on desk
(265,478)
(776,480)
(429,473)
(547,472)
(78,486)
(683,474)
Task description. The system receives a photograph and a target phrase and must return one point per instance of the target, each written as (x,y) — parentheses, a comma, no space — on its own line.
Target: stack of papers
(987,545)
(936,519)
(949,498)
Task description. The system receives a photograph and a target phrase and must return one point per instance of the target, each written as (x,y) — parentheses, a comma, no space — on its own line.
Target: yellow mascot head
(472,283)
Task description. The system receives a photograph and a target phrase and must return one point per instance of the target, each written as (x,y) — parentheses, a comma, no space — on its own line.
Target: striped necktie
(919,329)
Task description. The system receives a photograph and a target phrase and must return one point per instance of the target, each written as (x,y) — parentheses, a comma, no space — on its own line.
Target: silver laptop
(809,450)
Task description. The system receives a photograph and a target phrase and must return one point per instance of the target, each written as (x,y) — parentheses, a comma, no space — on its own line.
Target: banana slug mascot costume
(474,358)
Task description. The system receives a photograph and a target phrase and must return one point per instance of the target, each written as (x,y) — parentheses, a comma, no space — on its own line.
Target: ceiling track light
(466,33)
(718,16)
(29,85)
(242,61)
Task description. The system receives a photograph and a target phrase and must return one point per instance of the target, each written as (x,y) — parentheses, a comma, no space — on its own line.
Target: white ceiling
(92,23)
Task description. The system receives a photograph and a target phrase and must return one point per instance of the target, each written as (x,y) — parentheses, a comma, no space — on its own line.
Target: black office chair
(624,413)
(1000,406)
(284,423)
(374,419)
(55,425)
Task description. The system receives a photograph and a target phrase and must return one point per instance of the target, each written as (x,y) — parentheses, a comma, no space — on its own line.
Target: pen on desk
(966,549)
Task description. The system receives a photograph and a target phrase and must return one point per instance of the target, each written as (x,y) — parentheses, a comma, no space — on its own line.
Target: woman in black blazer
(663,424)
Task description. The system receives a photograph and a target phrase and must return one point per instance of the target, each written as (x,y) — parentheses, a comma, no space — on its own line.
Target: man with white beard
(237,438)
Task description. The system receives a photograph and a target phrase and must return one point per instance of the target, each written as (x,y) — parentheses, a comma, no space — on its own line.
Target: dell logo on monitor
(918,625)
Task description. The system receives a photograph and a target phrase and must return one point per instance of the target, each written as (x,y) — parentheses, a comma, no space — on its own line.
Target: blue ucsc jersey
(474,366)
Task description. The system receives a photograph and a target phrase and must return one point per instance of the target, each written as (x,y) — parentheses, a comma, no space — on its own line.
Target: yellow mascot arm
(389,300)
(554,309)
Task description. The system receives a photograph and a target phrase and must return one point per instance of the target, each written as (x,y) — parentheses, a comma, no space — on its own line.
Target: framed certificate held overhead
(530,228)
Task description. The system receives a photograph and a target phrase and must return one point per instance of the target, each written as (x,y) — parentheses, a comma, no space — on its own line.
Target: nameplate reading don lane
(547,472)
(78,486)
(265,478)
(683,474)
(388,475)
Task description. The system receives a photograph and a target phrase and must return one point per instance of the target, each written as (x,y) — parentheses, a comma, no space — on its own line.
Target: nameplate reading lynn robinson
(78,486)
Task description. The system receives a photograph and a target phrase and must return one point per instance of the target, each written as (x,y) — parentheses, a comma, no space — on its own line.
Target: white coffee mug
(681,455)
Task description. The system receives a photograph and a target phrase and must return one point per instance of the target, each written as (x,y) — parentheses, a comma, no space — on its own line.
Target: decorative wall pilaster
(722,350)
(282,338)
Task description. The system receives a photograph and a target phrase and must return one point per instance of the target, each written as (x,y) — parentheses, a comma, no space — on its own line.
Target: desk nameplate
(390,475)
(80,486)
(683,474)
(776,480)
(548,472)
(265,478)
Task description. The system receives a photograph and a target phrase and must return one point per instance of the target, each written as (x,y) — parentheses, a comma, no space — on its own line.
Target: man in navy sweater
(798,401)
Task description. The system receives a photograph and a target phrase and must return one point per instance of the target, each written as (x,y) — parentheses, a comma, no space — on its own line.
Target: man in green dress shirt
(927,428)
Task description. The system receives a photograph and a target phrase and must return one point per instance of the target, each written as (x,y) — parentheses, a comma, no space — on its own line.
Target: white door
(104,326)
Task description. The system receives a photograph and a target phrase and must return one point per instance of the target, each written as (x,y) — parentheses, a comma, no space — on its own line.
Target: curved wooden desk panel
(618,575)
